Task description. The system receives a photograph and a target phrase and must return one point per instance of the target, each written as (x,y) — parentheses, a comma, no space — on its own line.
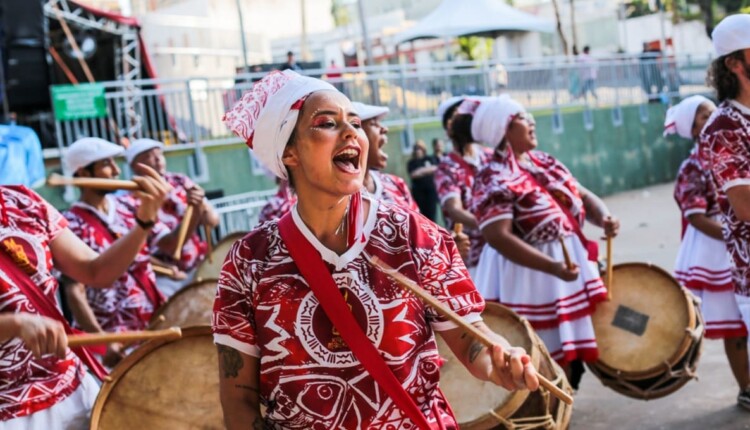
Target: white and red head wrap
(680,117)
(492,117)
(266,115)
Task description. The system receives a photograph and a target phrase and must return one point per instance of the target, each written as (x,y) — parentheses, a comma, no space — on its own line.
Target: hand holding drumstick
(511,370)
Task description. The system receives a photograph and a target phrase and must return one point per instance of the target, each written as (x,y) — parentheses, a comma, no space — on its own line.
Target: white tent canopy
(454,18)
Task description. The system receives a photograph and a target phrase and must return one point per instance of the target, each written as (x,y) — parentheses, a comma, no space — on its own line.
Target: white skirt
(73,413)
(704,267)
(559,311)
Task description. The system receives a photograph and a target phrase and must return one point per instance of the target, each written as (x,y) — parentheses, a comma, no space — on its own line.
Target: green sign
(78,101)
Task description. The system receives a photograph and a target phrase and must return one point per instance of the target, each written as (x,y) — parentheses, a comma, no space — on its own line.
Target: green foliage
(340,13)
(475,48)
(636,8)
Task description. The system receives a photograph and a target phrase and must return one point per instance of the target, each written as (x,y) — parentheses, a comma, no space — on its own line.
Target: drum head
(192,305)
(472,400)
(211,269)
(164,385)
(644,325)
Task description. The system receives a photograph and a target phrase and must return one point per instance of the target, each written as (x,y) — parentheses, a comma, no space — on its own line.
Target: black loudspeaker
(27,74)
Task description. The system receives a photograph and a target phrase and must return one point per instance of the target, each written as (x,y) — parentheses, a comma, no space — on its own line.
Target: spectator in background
(422,169)
(438,148)
(291,63)
(589,71)
(333,74)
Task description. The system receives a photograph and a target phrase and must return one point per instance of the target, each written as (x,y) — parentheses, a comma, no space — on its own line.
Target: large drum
(192,305)
(211,269)
(484,405)
(650,334)
(163,385)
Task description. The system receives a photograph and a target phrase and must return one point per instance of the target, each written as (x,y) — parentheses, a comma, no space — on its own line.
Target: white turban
(680,117)
(266,115)
(492,118)
(446,104)
(732,34)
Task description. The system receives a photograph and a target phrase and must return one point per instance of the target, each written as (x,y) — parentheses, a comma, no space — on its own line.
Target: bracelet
(144,224)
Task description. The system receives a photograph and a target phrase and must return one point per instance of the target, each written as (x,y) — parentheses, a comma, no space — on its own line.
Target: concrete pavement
(651,233)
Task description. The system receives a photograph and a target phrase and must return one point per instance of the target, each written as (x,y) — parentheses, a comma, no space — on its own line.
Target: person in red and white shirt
(526,202)
(382,186)
(279,204)
(724,149)
(43,384)
(277,346)
(184,193)
(454,178)
(99,218)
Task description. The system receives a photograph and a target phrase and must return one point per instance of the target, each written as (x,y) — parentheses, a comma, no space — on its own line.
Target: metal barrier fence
(189,111)
(240,212)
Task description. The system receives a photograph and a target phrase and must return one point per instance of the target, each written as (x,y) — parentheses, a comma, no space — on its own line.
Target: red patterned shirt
(279,204)
(503,191)
(392,189)
(28,385)
(171,214)
(725,151)
(124,305)
(309,377)
(694,190)
(455,178)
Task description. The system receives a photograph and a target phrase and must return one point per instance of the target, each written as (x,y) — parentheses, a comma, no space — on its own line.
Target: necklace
(344,224)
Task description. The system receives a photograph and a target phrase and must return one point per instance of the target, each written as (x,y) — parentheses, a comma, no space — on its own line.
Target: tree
(475,48)
(340,13)
(563,39)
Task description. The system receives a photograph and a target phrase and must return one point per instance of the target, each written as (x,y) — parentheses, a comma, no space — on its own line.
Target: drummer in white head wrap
(686,119)
(703,265)
(527,203)
(270,314)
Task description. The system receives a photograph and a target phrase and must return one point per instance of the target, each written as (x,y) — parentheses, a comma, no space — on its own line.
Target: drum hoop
(686,342)
(518,397)
(231,237)
(159,312)
(128,362)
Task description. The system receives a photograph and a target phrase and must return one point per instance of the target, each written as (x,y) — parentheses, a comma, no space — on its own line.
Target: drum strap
(322,284)
(46,308)
(140,275)
(591,246)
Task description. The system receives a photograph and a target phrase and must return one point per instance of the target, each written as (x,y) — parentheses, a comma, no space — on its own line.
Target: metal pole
(305,52)
(365,35)
(4,92)
(245,64)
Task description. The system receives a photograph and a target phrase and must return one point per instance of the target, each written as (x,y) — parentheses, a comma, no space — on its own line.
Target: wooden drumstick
(451,315)
(610,272)
(566,254)
(182,235)
(76,340)
(57,180)
(458,228)
(209,245)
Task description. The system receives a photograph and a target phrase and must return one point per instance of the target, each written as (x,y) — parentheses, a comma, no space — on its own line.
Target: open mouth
(347,160)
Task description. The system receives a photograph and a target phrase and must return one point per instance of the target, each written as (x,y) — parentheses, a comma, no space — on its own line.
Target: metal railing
(190,110)
(240,212)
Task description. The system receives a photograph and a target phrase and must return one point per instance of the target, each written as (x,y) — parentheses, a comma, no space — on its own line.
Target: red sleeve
(492,199)
(233,321)
(443,274)
(446,183)
(690,189)
(729,158)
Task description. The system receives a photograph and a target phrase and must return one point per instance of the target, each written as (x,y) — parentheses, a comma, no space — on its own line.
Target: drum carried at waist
(191,306)
(163,385)
(211,268)
(650,334)
(483,405)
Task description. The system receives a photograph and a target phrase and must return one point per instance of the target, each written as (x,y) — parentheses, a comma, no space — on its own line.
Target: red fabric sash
(591,246)
(141,277)
(324,287)
(46,308)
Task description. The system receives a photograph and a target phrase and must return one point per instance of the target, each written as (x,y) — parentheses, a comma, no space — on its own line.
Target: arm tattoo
(230,361)
(474,350)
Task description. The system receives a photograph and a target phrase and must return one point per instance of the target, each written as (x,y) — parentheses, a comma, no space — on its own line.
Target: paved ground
(650,233)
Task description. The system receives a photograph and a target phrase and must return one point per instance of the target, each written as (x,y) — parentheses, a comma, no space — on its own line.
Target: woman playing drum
(277,345)
(527,204)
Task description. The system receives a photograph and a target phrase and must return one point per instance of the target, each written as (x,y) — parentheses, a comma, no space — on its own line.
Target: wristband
(144,224)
